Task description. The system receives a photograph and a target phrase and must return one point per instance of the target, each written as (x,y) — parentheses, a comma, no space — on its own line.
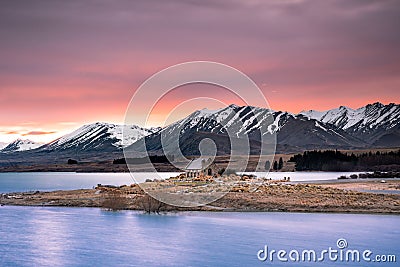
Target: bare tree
(150,204)
(114,200)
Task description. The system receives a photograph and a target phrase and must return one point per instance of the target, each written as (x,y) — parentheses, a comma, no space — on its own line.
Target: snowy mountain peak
(233,106)
(21,145)
(241,120)
(378,105)
(312,114)
(100,135)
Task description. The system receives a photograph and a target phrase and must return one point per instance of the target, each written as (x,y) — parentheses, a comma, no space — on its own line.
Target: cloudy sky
(65,63)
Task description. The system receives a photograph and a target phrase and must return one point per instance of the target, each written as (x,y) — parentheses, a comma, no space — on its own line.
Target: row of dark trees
(333,160)
(153,159)
(276,166)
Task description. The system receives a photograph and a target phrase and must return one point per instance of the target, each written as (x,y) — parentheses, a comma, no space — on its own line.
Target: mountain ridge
(291,130)
(374,125)
(20,145)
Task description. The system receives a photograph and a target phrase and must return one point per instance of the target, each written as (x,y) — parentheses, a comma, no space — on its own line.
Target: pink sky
(66,63)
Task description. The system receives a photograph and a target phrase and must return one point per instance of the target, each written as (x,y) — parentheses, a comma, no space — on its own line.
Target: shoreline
(177,212)
(275,197)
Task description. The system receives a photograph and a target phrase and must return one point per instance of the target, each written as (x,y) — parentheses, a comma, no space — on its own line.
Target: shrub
(227,172)
(280,164)
(150,204)
(275,165)
(119,161)
(267,165)
(114,200)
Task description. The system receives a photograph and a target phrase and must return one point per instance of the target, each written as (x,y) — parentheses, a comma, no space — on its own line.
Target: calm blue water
(36,236)
(51,181)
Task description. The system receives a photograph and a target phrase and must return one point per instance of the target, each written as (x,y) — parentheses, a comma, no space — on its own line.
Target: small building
(201,167)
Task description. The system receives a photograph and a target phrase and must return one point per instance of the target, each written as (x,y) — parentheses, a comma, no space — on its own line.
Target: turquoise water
(52,236)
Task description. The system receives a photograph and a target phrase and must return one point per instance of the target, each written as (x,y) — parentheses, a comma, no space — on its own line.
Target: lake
(55,236)
(50,181)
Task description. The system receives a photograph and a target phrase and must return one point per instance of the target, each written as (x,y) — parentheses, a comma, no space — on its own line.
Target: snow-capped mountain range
(98,136)
(291,130)
(372,115)
(374,125)
(20,145)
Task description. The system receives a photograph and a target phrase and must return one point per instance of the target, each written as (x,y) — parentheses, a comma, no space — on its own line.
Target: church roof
(197,164)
